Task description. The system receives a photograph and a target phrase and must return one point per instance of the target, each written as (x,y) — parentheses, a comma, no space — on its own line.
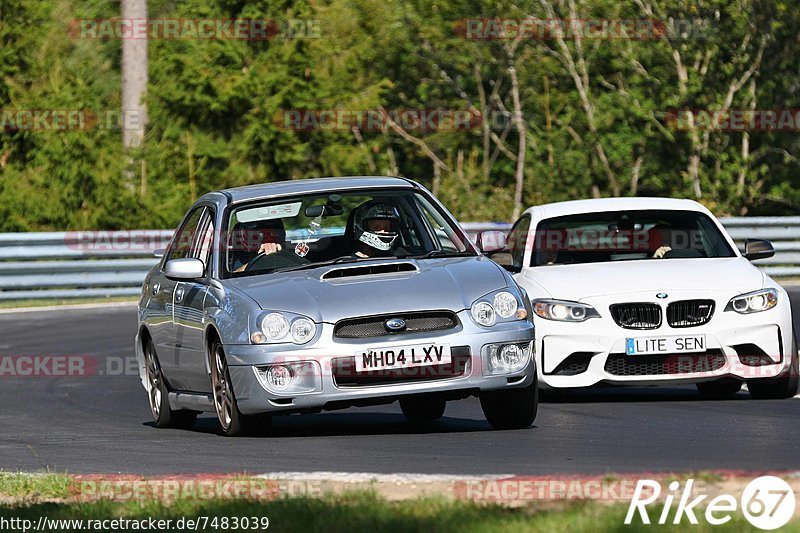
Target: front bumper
(744,347)
(467,340)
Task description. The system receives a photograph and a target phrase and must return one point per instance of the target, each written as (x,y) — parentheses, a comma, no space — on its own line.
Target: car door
(189,312)
(162,291)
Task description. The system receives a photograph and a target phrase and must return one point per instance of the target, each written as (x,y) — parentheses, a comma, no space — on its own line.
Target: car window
(181,246)
(445,236)
(204,243)
(628,235)
(322,227)
(517,241)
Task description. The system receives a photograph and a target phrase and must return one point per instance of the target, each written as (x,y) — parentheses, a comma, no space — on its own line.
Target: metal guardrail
(100,264)
(80,264)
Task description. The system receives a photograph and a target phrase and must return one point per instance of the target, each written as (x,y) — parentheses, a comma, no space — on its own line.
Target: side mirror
(158,254)
(758,249)
(505,260)
(184,269)
(491,241)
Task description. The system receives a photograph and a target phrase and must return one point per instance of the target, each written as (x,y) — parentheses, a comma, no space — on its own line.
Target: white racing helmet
(376,210)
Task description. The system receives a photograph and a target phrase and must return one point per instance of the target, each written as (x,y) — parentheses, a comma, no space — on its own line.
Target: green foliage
(216,107)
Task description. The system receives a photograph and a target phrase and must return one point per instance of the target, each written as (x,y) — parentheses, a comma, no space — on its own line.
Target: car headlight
(275,326)
(284,327)
(502,305)
(303,330)
(753,302)
(564,311)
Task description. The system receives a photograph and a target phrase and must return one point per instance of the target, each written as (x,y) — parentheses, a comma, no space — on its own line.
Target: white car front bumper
(757,345)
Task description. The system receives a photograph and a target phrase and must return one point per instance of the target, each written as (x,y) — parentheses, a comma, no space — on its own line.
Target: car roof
(312,185)
(594,205)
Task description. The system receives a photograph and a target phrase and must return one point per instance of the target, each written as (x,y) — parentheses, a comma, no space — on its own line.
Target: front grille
(345,375)
(373,326)
(689,313)
(637,315)
(619,364)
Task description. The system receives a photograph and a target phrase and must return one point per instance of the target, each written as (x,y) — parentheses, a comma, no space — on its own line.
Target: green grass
(34,486)
(364,511)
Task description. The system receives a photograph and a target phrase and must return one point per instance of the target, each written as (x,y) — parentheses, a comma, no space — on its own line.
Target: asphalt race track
(102,424)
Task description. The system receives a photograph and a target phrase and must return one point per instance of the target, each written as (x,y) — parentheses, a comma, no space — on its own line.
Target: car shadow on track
(611,394)
(350,424)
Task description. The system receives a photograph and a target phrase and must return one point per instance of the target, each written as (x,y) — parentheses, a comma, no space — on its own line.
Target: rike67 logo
(767,502)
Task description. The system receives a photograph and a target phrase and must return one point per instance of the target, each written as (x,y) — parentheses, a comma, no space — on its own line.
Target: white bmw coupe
(649,291)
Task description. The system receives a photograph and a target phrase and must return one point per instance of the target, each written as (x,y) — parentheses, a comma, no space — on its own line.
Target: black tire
(158,394)
(421,409)
(720,388)
(511,409)
(232,422)
(780,387)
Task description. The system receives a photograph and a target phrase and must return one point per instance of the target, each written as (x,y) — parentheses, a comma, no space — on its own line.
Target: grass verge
(27,497)
(364,511)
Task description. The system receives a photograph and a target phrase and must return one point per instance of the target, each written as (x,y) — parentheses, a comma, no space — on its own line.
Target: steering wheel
(283,258)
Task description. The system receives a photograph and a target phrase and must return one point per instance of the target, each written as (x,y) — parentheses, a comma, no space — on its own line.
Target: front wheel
(158,394)
(232,422)
(780,387)
(422,410)
(511,409)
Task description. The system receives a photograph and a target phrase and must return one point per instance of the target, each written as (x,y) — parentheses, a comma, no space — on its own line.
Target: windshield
(312,230)
(627,235)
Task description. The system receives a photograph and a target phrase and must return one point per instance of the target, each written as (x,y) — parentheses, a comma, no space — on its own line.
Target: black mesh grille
(345,374)
(689,313)
(752,355)
(373,326)
(619,364)
(576,363)
(637,315)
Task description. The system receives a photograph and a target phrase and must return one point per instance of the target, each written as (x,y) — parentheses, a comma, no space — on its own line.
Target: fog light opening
(509,355)
(506,358)
(279,377)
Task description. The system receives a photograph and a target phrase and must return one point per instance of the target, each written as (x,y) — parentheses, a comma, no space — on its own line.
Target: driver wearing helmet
(376,225)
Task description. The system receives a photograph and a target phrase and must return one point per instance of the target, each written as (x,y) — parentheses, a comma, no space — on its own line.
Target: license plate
(665,345)
(402,357)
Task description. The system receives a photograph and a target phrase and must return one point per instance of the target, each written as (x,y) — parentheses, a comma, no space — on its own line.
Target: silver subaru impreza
(310,295)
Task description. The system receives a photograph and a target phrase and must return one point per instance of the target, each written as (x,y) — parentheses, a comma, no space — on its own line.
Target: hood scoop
(369,270)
